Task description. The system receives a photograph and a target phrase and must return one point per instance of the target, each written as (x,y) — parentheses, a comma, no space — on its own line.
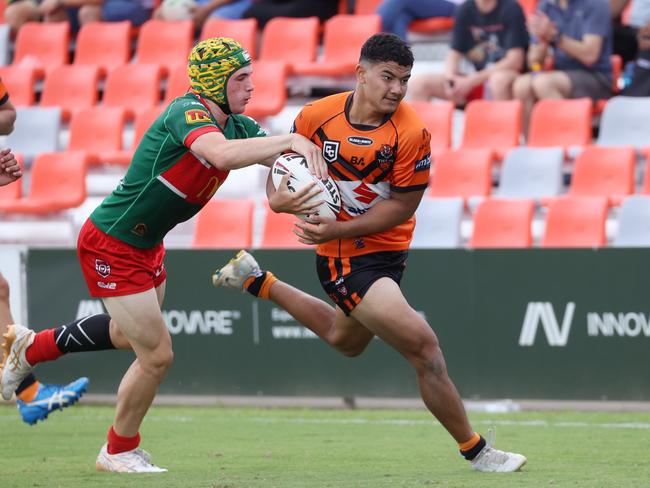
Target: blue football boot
(50,398)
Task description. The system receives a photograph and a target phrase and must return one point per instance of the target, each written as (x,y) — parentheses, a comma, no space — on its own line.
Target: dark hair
(387,47)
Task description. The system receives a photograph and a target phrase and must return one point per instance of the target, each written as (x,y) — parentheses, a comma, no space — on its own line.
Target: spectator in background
(265,10)
(77,12)
(397,15)
(491,34)
(626,42)
(226,9)
(639,74)
(579,33)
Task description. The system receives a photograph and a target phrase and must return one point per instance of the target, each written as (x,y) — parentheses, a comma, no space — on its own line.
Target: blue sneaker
(50,398)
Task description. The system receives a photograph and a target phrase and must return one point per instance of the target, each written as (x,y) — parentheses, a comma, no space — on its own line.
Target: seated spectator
(640,76)
(579,32)
(77,12)
(226,9)
(397,15)
(265,10)
(625,36)
(491,34)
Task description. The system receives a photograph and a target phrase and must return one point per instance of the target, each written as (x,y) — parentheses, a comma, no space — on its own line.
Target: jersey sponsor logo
(197,116)
(103,268)
(385,157)
(360,141)
(209,189)
(108,286)
(357,196)
(331,150)
(365,194)
(139,229)
(359,243)
(340,286)
(423,164)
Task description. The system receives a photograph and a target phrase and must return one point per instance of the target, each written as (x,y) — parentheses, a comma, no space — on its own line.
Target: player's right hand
(287,201)
(10,169)
(315,162)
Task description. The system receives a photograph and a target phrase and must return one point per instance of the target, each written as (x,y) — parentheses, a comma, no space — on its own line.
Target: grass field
(285,448)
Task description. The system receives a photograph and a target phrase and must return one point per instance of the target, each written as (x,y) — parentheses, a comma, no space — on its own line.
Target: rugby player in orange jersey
(377,150)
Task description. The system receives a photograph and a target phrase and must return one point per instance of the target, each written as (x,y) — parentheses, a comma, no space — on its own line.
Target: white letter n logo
(543,311)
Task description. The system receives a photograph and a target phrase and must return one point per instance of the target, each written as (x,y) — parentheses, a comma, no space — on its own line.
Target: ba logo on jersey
(331,151)
(197,116)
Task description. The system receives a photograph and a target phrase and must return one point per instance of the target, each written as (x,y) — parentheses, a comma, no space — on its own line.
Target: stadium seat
(104,44)
(143,120)
(12,191)
(178,83)
(438,223)
(133,87)
(342,40)
(290,40)
(503,223)
(604,171)
(5,41)
(625,122)
(20,82)
(58,182)
(224,224)
(529,6)
(165,43)
(437,118)
(576,222)
(270,95)
(98,132)
(560,122)
(42,45)
(492,124)
(71,88)
(278,231)
(432,25)
(244,30)
(531,173)
(462,173)
(36,131)
(366,7)
(633,222)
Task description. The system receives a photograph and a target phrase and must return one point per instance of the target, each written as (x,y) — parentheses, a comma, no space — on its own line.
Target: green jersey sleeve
(187,119)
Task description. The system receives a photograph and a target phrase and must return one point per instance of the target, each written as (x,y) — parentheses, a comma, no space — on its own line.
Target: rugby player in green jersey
(180,163)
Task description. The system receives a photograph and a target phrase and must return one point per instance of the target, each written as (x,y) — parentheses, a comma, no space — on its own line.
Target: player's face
(385,85)
(240,89)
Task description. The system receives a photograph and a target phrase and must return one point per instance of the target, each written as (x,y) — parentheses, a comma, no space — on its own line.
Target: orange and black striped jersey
(4,94)
(368,163)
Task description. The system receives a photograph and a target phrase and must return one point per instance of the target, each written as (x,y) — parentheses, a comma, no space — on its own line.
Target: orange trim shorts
(114,268)
(347,280)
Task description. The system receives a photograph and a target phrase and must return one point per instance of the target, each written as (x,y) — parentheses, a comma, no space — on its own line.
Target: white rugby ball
(177,9)
(300,177)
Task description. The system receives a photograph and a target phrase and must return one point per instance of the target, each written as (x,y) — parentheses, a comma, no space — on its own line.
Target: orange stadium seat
(178,83)
(270,95)
(462,173)
(529,6)
(58,183)
(437,118)
(503,224)
(342,40)
(134,87)
(560,122)
(576,222)
(71,88)
(604,171)
(164,43)
(492,124)
(278,231)
(366,7)
(433,24)
(290,40)
(143,120)
(13,191)
(242,30)
(98,132)
(20,82)
(104,44)
(645,187)
(43,45)
(224,224)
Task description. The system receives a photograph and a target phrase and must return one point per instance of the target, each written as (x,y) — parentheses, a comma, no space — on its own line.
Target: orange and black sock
(28,389)
(260,285)
(470,448)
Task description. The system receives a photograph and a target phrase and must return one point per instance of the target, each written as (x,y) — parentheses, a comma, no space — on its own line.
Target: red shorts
(113,268)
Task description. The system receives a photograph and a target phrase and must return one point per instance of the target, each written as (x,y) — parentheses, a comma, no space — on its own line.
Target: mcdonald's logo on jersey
(196,116)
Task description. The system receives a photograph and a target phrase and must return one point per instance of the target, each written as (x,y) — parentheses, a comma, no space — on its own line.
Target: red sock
(118,443)
(43,348)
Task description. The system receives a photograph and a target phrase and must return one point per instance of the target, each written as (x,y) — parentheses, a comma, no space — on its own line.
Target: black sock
(29,380)
(473,452)
(87,334)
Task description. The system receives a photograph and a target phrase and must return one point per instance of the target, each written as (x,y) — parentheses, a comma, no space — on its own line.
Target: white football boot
(134,461)
(491,460)
(236,272)
(14,365)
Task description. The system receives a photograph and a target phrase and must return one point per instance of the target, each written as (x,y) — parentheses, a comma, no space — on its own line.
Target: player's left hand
(318,230)
(10,169)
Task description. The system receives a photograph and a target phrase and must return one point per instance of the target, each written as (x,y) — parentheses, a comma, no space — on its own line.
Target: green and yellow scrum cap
(211,64)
